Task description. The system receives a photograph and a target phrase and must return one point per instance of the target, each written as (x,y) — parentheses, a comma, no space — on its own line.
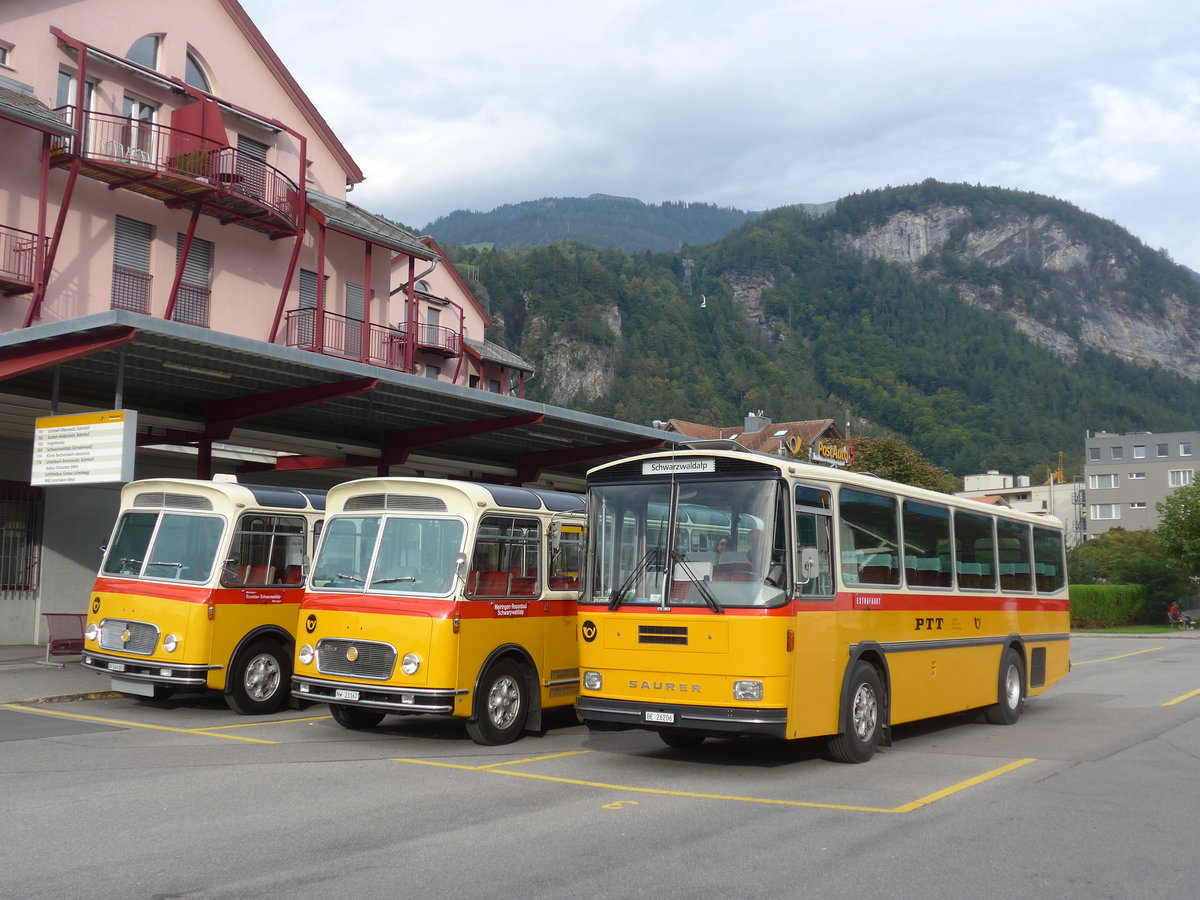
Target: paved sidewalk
(23,677)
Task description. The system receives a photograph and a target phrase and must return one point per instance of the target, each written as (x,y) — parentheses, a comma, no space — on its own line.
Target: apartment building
(177,238)
(1127,475)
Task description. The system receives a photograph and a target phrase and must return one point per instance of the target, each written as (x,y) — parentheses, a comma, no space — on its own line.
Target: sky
(756,104)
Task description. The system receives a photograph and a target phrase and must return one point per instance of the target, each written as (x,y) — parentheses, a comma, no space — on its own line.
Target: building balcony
(181,168)
(18,251)
(337,335)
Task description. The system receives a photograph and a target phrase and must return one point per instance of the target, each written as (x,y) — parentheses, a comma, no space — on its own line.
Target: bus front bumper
(383,697)
(668,716)
(147,670)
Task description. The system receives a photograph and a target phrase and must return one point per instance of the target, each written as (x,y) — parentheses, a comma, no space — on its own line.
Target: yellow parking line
(262,722)
(121,722)
(1187,696)
(533,759)
(905,808)
(1088,662)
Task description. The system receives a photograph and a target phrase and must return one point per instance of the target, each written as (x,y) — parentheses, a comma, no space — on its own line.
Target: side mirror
(809,564)
(554,532)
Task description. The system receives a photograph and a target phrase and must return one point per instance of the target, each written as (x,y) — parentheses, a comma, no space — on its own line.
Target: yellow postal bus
(443,597)
(809,602)
(199,587)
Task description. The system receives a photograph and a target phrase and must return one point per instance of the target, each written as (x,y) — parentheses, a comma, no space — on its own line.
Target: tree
(893,459)
(1179,527)
(1132,557)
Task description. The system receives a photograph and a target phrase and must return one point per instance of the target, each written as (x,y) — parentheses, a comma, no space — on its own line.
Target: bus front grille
(130,637)
(357,659)
(663,634)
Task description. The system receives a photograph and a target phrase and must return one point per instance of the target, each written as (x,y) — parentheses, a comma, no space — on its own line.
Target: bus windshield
(703,543)
(167,546)
(389,554)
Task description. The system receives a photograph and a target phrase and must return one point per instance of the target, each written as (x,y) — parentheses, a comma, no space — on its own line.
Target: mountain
(987,327)
(599,220)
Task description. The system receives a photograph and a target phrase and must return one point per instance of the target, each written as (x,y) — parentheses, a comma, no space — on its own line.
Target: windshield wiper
(648,559)
(348,577)
(393,580)
(701,585)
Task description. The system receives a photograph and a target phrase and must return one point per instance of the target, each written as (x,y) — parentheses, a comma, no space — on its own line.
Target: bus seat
(260,575)
(563,583)
(491,584)
(292,575)
(524,585)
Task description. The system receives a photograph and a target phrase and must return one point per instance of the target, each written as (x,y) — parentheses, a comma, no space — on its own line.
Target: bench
(65,636)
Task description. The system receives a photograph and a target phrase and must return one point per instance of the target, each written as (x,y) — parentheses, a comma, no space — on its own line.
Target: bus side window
(814,534)
(505,559)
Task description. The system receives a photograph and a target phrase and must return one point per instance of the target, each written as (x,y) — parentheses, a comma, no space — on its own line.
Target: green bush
(1106,605)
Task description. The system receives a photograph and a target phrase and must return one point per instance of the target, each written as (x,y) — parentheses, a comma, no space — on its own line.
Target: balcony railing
(176,165)
(435,339)
(130,290)
(18,250)
(337,335)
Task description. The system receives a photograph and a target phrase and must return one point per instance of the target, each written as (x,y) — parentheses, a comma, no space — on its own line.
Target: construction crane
(1056,476)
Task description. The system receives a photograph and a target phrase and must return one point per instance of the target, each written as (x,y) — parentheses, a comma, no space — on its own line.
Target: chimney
(755,422)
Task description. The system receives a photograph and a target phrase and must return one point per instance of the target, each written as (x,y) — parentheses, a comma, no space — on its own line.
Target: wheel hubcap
(504,702)
(1012,687)
(262,677)
(865,712)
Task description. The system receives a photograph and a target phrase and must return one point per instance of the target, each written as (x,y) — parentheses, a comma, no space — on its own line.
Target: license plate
(340,694)
(664,717)
(128,686)
(116,667)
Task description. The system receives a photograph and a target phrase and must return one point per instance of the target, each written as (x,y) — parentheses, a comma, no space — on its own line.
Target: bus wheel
(501,705)
(863,705)
(681,740)
(260,679)
(354,718)
(1011,690)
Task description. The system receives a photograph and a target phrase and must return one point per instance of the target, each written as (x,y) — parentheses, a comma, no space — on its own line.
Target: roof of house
(992,500)
(490,352)
(769,439)
(357,221)
(18,104)
(458,279)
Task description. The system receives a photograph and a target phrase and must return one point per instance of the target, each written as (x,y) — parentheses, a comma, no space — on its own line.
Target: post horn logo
(352,654)
(95,604)
(589,631)
(310,624)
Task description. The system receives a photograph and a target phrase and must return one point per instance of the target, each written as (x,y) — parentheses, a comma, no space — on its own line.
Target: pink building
(160,159)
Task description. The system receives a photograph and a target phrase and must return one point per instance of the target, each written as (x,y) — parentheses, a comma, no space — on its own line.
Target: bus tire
(681,740)
(355,718)
(260,679)
(1010,691)
(862,714)
(501,705)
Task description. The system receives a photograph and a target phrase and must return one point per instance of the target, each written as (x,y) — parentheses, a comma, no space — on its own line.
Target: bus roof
(741,460)
(266,496)
(506,496)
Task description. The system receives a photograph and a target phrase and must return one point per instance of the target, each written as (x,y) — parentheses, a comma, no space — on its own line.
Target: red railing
(191,305)
(336,335)
(130,290)
(17,252)
(435,339)
(136,143)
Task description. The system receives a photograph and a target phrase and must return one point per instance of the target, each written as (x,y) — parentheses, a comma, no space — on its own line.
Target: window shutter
(131,247)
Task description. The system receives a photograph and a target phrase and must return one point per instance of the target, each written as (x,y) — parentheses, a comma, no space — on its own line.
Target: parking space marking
(262,722)
(1088,662)
(495,768)
(106,721)
(1187,696)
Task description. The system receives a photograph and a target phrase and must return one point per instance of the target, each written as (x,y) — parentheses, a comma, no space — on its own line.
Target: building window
(138,139)
(1179,477)
(131,265)
(1137,476)
(473,381)
(1160,450)
(1138,504)
(1117,452)
(250,168)
(1106,511)
(1185,449)
(193,73)
(20,536)
(1104,481)
(432,371)
(192,301)
(6,54)
(355,308)
(494,386)
(144,51)
(1139,451)
(1094,454)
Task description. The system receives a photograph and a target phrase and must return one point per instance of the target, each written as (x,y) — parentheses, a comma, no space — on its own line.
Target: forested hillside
(980,352)
(598,220)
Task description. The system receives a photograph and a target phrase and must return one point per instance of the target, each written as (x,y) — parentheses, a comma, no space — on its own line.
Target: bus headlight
(171,642)
(593,681)
(92,632)
(307,653)
(410,663)
(747,690)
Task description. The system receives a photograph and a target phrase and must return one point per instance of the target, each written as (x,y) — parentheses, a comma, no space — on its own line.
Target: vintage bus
(199,587)
(443,597)
(809,602)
